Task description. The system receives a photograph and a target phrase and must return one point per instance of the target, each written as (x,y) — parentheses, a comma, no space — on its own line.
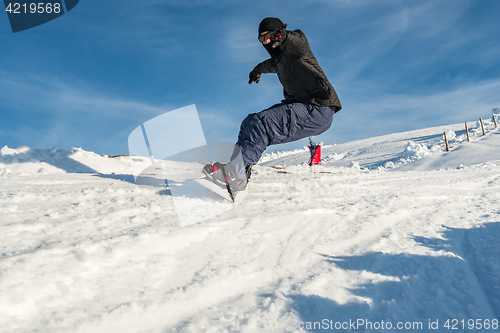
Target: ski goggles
(262,38)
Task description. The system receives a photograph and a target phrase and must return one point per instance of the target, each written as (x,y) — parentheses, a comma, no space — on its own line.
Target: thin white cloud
(379,36)
(433,19)
(413,111)
(57,97)
(242,46)
(70,114)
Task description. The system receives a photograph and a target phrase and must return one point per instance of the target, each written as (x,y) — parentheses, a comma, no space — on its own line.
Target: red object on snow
(316,156)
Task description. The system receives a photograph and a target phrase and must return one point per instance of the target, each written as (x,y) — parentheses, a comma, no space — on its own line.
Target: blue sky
(88,78)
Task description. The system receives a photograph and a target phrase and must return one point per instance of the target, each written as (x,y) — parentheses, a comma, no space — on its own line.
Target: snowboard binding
(224,176)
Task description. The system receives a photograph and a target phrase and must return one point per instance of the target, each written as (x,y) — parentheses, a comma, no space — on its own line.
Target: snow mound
(6,151)
(24,160)
(415,151)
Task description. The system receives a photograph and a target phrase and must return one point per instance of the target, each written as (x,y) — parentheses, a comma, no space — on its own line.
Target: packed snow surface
(389,233)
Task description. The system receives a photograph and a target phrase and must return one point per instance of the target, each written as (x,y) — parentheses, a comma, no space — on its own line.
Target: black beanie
(269,24)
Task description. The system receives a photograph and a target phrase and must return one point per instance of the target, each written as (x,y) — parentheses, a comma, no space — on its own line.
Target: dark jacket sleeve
(296,44)
(267,66)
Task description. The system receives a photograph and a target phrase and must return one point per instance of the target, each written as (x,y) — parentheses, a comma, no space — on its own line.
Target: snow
(391,230)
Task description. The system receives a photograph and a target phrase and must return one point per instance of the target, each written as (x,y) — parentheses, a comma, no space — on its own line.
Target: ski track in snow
(389,229)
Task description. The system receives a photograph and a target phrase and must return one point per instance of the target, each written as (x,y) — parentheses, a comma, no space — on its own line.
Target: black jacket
(298,70)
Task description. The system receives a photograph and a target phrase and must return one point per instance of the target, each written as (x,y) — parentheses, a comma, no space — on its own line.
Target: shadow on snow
(57,158)
(460,280)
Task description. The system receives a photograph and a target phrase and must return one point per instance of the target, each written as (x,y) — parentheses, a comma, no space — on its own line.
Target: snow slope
(386,233)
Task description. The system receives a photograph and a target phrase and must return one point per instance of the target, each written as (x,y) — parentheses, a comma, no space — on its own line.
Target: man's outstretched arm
(267,66)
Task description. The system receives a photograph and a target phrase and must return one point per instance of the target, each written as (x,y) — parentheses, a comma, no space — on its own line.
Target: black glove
(278,36)
(254,77)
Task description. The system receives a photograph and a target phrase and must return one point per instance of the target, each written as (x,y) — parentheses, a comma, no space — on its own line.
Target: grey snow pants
(281,123)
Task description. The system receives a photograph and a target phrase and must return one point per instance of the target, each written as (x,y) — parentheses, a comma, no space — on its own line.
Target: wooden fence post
(467,130)
(446,140)
(482,125)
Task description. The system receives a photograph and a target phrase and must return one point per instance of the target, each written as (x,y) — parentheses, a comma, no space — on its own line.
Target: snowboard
(283,170)
(183,179)
(236,198)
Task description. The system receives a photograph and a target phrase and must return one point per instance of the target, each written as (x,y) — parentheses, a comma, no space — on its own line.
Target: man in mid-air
(307,109)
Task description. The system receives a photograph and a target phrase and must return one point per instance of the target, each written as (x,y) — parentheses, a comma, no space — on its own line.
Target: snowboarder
(308,107)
